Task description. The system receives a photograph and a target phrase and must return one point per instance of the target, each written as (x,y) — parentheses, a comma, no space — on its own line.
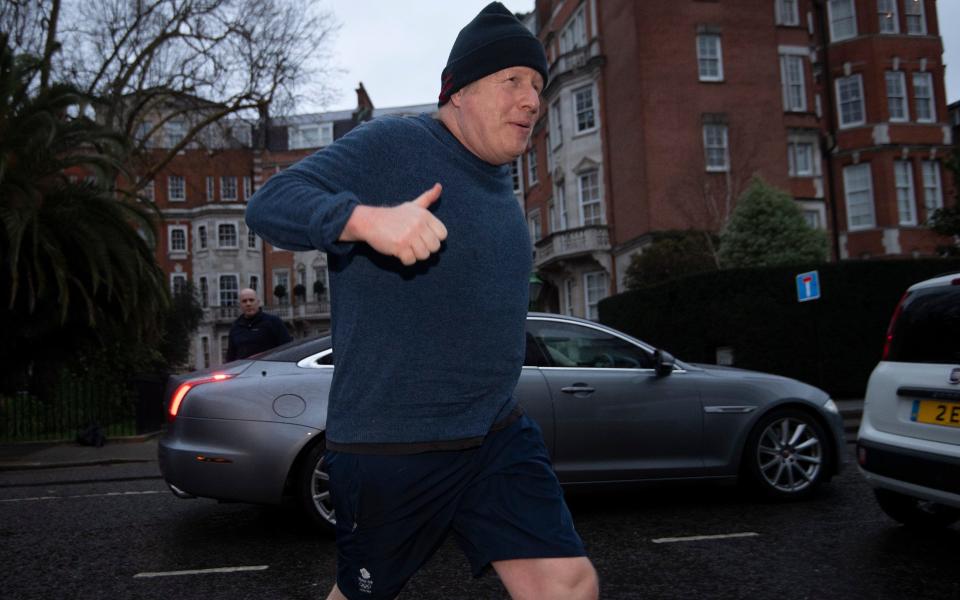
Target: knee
(578,583)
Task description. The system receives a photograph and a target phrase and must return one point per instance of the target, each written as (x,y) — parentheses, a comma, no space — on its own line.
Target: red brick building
(203,238)
(657,115)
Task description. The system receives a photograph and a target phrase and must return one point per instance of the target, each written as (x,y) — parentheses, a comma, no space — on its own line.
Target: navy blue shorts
(500,500)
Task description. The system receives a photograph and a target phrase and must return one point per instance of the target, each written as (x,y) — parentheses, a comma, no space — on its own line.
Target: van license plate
(936,412)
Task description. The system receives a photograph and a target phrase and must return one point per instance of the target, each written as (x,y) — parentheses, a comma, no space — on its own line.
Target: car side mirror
(663,363)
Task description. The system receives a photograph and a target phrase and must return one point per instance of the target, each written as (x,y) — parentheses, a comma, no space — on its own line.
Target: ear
(457,98)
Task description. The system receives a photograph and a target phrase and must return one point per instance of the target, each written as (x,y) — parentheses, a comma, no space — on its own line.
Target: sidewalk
(52,455)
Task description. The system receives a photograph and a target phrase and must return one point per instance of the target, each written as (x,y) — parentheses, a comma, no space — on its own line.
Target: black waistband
(419,447)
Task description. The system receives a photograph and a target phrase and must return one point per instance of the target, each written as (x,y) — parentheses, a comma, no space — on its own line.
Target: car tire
(787,455)
(314,490)
(915,512)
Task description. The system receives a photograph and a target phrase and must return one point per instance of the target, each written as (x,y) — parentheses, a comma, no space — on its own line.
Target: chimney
(364,111)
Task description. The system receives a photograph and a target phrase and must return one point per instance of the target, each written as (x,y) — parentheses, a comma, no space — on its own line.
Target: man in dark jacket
(254,330)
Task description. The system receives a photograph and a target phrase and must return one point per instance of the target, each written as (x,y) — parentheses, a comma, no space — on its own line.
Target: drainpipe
(828,142)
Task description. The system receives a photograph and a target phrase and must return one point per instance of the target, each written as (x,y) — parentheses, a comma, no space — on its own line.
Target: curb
(25,466)
(18,454)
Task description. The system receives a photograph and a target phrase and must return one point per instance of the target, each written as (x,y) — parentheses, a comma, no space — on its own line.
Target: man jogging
(429,258)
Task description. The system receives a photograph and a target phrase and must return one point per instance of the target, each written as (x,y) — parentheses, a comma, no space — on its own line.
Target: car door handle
(578,389)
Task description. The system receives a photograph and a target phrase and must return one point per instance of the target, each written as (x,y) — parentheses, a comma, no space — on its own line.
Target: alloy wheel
(320,491)
(789,455)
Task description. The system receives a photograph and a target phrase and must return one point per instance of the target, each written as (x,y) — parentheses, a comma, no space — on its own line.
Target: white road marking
(695,538)
(38,498)
(203,571)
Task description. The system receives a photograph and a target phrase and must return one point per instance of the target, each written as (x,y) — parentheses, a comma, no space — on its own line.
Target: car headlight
(831,406)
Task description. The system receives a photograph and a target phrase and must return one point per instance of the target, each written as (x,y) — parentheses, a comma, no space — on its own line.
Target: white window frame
(927,101)
(796,143)
(224,346)
(841,82)
(574,34)
(174,278)
(709,137)
(575,95)
(516,174)
(142,134)
(888,16)
(592,310)
(560,195)
(918,16)
(701,57)
(247,187)
(932,186)
(532,173)
(204,352)
(309,135)
(211,190)
(794,90)
(788,12)
(182,229)
(568,296)
(228,188)
(236,234)
(906,200)
(834,37)
(535,223)
(584,202)
(202,239)
(899,79)
(220,288)
(555,117)
(870,214)
(275,278)
(813,218)
(172,180)
(204,291)
(174,131)
(251,235)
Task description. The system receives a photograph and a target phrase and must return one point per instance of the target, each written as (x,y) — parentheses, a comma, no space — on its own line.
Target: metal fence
(75,405)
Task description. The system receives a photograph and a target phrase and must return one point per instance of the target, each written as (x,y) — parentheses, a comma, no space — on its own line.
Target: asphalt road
(116,532)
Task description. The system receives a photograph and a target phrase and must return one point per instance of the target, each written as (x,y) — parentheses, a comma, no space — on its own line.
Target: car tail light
(893,323)
(181,392)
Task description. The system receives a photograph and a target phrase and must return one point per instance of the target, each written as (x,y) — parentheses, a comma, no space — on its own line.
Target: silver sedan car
(613,410)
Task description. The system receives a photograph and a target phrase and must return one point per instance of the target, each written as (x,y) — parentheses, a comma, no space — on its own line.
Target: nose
(530,100)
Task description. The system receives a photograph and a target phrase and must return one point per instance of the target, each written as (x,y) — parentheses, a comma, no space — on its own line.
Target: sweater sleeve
(306,206)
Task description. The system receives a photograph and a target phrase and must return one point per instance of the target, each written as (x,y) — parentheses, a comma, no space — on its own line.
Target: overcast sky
(398,49)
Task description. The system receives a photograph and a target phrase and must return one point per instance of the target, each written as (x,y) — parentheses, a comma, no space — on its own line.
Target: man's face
(497,113)
(249,303)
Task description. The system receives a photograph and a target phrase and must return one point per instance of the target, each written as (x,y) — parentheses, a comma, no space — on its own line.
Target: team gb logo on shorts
(365,581)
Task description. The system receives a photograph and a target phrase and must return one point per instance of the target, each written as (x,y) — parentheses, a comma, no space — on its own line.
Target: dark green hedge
(833,342)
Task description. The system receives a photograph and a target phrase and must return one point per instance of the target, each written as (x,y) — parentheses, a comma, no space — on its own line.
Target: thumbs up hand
(408,231)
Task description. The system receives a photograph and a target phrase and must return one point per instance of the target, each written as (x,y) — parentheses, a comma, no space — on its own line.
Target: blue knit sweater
(425,353)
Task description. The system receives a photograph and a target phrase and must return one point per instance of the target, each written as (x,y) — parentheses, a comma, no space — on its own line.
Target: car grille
(928,470)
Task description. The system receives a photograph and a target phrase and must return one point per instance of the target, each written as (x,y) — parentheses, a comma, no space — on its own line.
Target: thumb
(430,196)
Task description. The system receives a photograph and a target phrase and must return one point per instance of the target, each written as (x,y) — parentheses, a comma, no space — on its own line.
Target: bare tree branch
(147,63)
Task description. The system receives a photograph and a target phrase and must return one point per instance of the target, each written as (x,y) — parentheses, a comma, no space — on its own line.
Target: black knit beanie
(495,39)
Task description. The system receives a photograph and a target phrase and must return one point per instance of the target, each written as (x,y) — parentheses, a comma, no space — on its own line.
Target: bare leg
(335,594)
(549,578)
